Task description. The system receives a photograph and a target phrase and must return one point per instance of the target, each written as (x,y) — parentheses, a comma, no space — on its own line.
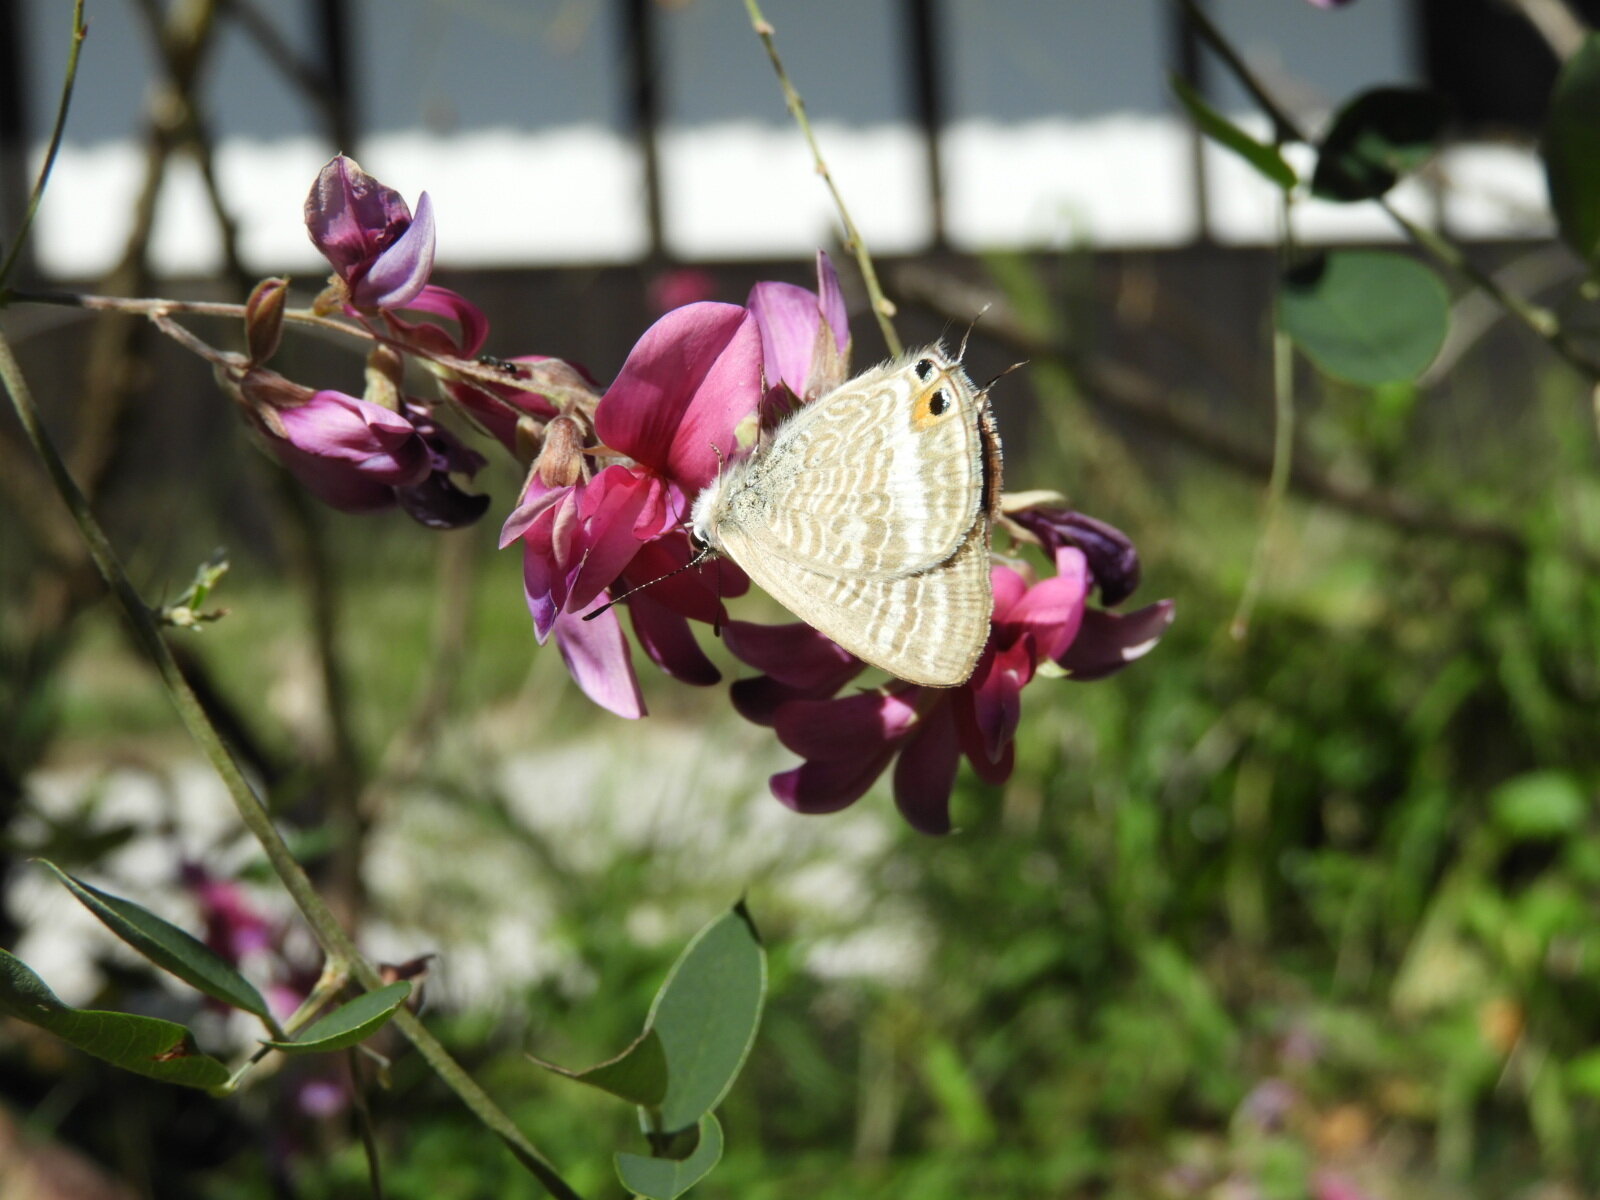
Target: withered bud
(560,462)
(264,392)
(385,374)
(263,318)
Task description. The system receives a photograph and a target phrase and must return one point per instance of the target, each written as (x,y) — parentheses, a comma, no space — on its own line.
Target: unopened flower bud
(560,462)
(263,318)
(266,393)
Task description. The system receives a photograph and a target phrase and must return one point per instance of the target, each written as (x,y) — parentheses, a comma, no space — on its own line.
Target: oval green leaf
(1375,139)
(1365,316)
(349,1023)
(706,1015)
(667,1178)
(169,947)
(1264,158)
(1540,804)
(149,1046)
(1572,150)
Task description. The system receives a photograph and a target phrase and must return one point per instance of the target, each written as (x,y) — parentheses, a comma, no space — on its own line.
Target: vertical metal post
(928,98)
(332,22)
(1192,68)
(644,108)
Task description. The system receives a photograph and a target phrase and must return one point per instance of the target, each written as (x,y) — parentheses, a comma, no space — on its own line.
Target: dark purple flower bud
(1113,561)
(380,252)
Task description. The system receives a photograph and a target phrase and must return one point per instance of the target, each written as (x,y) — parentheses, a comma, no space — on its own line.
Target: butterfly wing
(927,628)
(881,478)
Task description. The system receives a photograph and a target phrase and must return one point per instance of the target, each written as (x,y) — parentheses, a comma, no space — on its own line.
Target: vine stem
(1541,321)
(335,942)
(882,307)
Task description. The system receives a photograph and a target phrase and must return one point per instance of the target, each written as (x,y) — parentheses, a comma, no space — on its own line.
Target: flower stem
(335,942)
(882,307)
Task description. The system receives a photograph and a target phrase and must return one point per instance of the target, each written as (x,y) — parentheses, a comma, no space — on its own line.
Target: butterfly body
(868,513)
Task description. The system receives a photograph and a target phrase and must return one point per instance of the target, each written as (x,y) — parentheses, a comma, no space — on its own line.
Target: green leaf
(349,1023)
(1540,804)
(1375,139)
(1366,316)
(169,947)
(706,1015)
(667,1178)
(1572,150)
(1583,1073)
(146,1045)
(638,1074)
(1265,159)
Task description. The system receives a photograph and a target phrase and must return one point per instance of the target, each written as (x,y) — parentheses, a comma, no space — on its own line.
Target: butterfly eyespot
(925,368)
(938,402)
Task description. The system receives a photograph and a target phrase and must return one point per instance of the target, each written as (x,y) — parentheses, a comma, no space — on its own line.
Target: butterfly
(868,512)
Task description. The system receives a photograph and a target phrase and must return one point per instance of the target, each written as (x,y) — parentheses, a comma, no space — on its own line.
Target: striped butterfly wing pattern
(868,516)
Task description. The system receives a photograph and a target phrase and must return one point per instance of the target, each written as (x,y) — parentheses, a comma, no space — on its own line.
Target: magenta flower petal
(1053,609)
(1113,561)
(690,380)
(1107,642)
(596,654)
(996,689)
(612,504)
(333,483)
(788,318)
(796,655)
(848,728)
(830,302)
(926,773)
(382,446)
(827,787)
(442,302)
(666,637)
(400,272)
(696,594)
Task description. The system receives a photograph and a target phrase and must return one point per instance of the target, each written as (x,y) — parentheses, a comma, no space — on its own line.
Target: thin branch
(57,132)
(882,307)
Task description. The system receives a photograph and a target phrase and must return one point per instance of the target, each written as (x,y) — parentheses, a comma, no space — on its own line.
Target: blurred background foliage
(1306,913)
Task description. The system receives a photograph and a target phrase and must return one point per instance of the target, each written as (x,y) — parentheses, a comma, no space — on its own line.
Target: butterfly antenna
(700,557)
(1013,367)
(961,354)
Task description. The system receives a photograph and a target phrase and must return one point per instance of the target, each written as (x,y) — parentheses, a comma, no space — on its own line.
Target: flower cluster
(612,475)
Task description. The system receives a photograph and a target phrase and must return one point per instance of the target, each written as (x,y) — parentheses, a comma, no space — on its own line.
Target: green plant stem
(70,77)
(335,942)
(1541,321)
(1277,482)
(882,307)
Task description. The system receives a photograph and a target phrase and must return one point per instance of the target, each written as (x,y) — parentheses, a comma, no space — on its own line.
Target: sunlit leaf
(349,1023)
(706,1016)
(1572,149)
(1366,316)
(146,1045)
(169,947)
(668,1178)
(1540,804)
(1264,158)
(1377,138)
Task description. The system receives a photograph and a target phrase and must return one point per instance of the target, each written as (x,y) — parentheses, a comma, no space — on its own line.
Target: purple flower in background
(1330,3)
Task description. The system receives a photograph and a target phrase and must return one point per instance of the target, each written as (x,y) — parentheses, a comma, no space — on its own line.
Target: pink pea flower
(382,257)
(379,251)
(350,453)
(678,402)
(848,742)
